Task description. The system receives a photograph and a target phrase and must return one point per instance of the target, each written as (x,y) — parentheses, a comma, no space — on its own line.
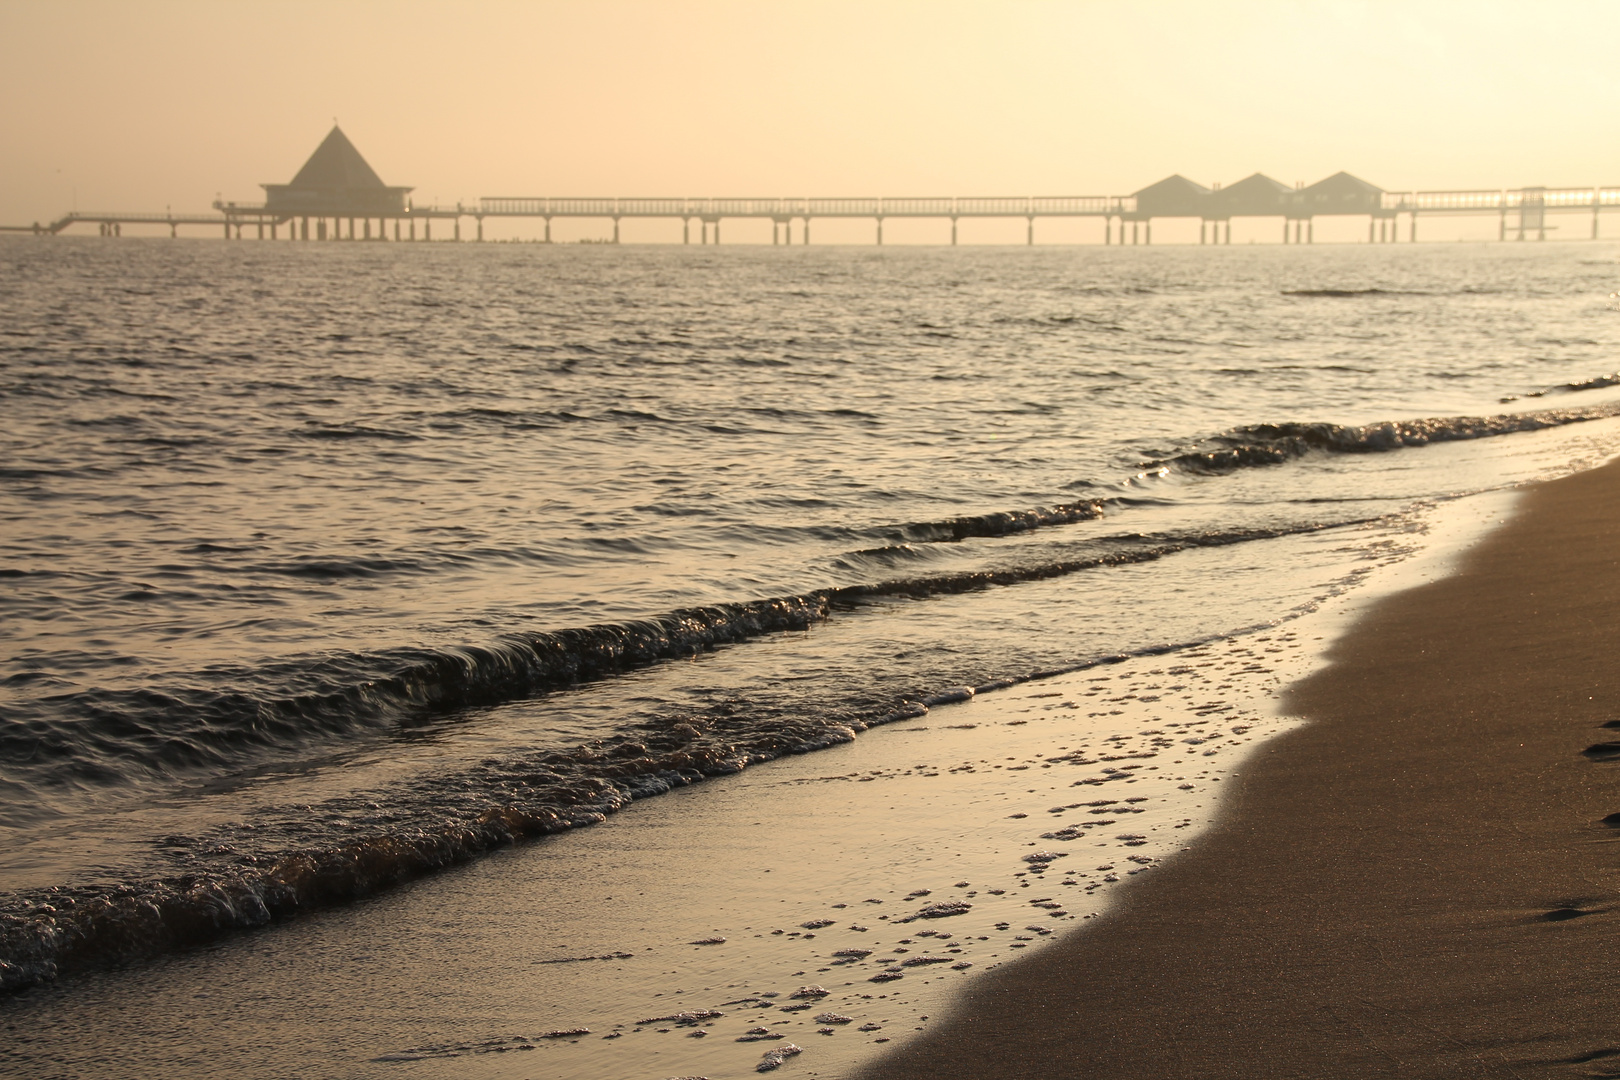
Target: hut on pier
(1253,196)
(1340,193)
(1174,196)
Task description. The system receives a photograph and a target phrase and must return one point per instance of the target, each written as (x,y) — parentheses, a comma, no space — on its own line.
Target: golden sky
(138,106)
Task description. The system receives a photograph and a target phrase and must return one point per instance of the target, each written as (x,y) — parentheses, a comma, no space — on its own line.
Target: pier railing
(781,209)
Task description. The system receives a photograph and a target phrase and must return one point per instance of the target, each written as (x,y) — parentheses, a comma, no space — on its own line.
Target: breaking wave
(1273,444)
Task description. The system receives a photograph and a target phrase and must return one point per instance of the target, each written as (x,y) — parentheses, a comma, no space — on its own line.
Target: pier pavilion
(336,186)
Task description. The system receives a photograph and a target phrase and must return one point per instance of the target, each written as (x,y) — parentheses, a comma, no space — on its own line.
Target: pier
(337,196)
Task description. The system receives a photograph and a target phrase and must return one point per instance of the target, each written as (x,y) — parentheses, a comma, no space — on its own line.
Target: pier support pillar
(413,230)
(717,231)
(458,231)
(1030,236)
(427,231)
(1414,227)
(261,230)
(776,233)
(480,224)
(1596,200)
(807,231)
(396,230)
(686,230)
(1147,231)
(548,230)
(1108,230)
(615,230)
(1501,224)
(953,232)
(366,227)
(1310,231)
(880,232)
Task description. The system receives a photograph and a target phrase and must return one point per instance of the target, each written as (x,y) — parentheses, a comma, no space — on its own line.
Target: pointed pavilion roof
(336,180)
(337,164)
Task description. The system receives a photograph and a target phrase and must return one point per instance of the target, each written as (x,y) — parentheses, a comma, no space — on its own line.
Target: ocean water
(326,566)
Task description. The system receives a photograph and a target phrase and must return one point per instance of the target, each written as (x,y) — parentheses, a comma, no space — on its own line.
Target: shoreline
(799,859)
(1419,882)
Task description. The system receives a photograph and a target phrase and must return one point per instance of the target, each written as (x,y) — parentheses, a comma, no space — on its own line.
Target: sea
(325,567)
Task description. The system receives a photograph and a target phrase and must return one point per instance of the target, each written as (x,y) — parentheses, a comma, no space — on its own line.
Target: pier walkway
(1521,213)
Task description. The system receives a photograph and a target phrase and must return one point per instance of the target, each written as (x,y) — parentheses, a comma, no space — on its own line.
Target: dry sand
(1419,883)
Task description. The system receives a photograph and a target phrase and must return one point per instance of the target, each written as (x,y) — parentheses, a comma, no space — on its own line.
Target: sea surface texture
(325,566)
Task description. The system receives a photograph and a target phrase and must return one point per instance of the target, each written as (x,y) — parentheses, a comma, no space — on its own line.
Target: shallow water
(328,566)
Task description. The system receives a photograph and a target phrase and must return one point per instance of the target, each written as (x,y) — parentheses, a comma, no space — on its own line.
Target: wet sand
(1418,883)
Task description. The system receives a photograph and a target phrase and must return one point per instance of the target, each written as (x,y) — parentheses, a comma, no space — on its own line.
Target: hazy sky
(138,106)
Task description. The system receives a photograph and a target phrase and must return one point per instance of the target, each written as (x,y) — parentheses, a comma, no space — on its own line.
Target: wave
(1000,523)
(1338,294)
(112,736)
(1274,444)
(1598,383)
(1341,293)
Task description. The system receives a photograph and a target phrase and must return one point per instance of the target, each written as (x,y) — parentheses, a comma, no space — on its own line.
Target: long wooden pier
(1521,213)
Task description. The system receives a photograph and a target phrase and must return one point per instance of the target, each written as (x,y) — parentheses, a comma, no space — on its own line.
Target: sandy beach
(1420,882)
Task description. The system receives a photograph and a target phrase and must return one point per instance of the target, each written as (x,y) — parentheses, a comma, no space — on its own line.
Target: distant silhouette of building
(1340,193)
(336,182)
(1253,196)
(1174,196)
